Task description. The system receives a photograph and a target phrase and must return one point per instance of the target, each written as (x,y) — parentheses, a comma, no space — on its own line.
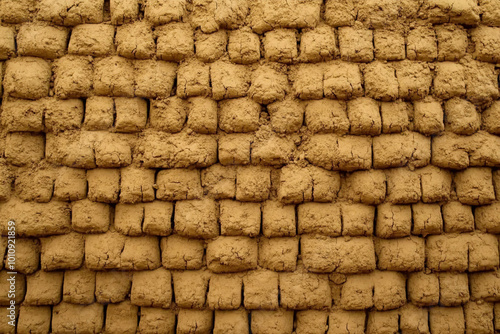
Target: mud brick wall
(251,166)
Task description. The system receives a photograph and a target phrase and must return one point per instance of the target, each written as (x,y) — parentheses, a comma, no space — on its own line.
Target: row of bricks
(125,318)
(154,149)
(31,78)
(177,41)
(321,254)
(360,116)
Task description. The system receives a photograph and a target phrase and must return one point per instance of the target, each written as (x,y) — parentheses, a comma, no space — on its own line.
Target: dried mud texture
(251,166)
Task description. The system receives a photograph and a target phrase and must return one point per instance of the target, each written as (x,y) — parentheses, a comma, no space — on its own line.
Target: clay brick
(228,321)
(356,44)
(189,321)
(479,317)
(193,79)
(103,251)
(137,185)
(307,81)
(151,288)
(154,79)
(92,40)
(253,183)
(364,116)
(474,186)
(61,115)
(427,219)
(278,254)
(490,118)
(159,12)
(211,16)
(27,78)
(271,322)
(178,151)
(225,292)
(413,319)
(99,113)
(219,181)
(421,44)
(79,286)
(485,286)
(27,255)
(31,317)
(140,253)
(393,221)
(62,252)
(466,12)
(481,82)
(124,11)
(232,254)
(341,320)
(114,76)
(296,292)
(43,288)
(368,187)
(131,114)
(428,117)
(436,184)
(453,289)
(90,217)
(450,80)
(483,252)
(6,181)
(112,150)
(175,42)
(286,116)
(482,150)
(104,185)
(280,45)
(487,218)
(458,218)
(450,151)
(403,254)
(168,115)
(156,320)
(447,252)
(396,150)
(357,292)
(71,149)
(357,219)
(7,43)
(190,288)
(381,14)
(134,40)
(395,116)
(268,85)
(234,149)
(389,45)
(389,290)
(243,46)
(210,47)
(22,115)
(178,184)
(342,80)
(446,320)
(414,79)
(112,286)
(452,42)
(202,115)
(380,322)
(278,220)
(318,44)
(239,218)
(319,218)
(403,186)
(202,225)
(15,11)
(380,81)
(327,116)
(311,322)
(423,289)
(77,318)
(32,185)
(20,289)
(70,13)
(182,253)
(121,318)
(228,80)
(461,117)
(157,218)
(485,41)
(42,41)
(272,150)
(260,290)
(128,219)
(70,184)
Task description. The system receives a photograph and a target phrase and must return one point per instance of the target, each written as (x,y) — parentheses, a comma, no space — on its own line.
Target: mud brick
(357,219)
(389,45)
(436,184)
(368,187)
(458,218)
(481,82)
(428,117)
(31,317)
(276,322)
(152,288)
(461,117)
(159,12)
(27,255)
(280,45)
(268,85)
(175,42)
(278,220)
(447,252)
(61,115)
(227,321)
(154,79)
(273,150)
(490,10)
(77,318)
(490,118)
(325,116)
(452,42)
(178,184)
(474,186)
(134,40)
(70,184)
(479,317)
(413,319)
(203,225)
(356,44)
(487,218)
(213,16)
(414,79)
(202,115)
(99,113)
(403,186)
(396,150)
(141,253)
(79,286)
(296,184)
(131,114)
(357,292)
(253,183)
(225,292)
(465,13)
(237,218)
(485,40)
(92,40)
(318,44)
(342,80)
(34,185)
(322,218)
(234,149)
(421,44)
(210,47)
(340,320)
(482,149)
(389,290)
(62,252)
(104,185)
(182,253)
(112,286)
(364,116)
(278,254)
(190,288)
(229,80)
(103,251)
(485,286)
(446,319)
(296,292)
(380,81)
(156,320)
(114,76)
(393,221)
(311,321)
(38,40)
(450,80)
(43,288)
(123,11)
(129,218)
(73,12)
(20,289)
(27,78)
(199,321)
(232,254)
(243,46)
(70,148)
(395,116)
(483,251)
(22,115)
(453,289)
(219,181)
(121,318)
(402,254)
(378,322)
(261,290)
(307,81)
(423,289)
(15,11)
(427,219)
(169,114)
(7,43)
(90,217)
(450,151)
(133,191)
(158,218)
